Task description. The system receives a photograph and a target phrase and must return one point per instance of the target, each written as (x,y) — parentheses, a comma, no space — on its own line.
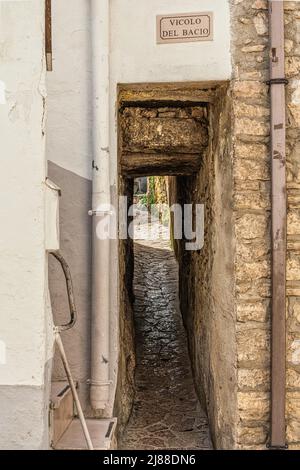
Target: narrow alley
(166,413)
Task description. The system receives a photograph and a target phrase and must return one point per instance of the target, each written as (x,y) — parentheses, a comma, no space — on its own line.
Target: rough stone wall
(252,219)
(125,384)
(207,278)
(161,140)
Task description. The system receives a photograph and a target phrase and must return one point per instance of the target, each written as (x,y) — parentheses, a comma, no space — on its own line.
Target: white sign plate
(185,27)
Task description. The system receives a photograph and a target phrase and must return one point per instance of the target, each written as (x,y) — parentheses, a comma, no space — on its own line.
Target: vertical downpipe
(100,383)
(279,215)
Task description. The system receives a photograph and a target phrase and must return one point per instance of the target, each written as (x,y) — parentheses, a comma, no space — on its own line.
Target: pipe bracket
(94,383)
(271,447)
(277,81)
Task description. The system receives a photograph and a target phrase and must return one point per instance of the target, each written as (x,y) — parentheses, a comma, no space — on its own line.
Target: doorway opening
(171,295)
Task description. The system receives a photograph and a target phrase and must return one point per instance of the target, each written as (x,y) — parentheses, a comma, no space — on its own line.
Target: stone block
(253,406)
(253,345)
(242,109)
(293,406)
(261,23)
(249,89)
(246,126)
(292,66)
(251,169)
(293,350)
(293,222)
(293,267)
(251,435)
(253,379)
(293,379)
(295,114)
(255,311)
(288,45)
(251,150)
(246,272)
(167,133)
(294,305)
(247,251)
(293,432)
(260,5)
(251,226)
(252,200)
(254,48)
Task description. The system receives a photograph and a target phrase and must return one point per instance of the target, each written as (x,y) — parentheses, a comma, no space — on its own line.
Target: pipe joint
(96,213)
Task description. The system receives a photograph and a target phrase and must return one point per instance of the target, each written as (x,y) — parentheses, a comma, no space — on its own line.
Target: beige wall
(252,219)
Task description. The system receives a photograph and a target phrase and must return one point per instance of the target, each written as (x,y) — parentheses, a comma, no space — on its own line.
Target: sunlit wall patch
(2,92)
(2,353)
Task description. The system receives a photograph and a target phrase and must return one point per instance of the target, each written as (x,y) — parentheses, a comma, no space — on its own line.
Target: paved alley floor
(166,413)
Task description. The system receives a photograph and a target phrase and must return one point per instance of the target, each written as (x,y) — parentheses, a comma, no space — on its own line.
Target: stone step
(61,410)
(102,432)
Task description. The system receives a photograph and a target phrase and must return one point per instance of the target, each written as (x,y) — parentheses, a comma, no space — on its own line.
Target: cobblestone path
(166,413)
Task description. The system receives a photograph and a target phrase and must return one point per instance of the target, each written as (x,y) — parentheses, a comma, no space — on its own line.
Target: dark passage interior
(166,413)
(170,356)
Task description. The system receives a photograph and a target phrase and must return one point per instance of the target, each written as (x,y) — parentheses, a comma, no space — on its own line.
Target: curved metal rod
(66,270)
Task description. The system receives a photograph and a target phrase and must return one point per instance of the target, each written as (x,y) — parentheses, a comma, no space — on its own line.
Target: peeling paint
(13,113)
(94,166)
(104,360)
(20,104)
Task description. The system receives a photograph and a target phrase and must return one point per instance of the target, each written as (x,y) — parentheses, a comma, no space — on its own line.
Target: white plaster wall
(69,141)
(135,56)
(69,149)
(22,254)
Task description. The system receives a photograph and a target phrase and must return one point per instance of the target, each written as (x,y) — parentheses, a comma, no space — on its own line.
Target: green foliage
(151,191)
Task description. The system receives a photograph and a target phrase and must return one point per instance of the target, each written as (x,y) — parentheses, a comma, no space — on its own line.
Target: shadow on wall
(75,233)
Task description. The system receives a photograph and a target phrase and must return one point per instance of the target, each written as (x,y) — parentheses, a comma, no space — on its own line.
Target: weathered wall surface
(25,342)
(207,279)
(125,384)
(69,136)
(252,219)
(69,153)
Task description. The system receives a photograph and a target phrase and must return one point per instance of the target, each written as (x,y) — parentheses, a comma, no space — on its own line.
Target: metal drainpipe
(100,383)
(279,214)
